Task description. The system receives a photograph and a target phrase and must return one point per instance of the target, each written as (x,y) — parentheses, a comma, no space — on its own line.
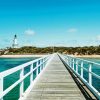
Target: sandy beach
(87,56)
(19,56)
(41,55)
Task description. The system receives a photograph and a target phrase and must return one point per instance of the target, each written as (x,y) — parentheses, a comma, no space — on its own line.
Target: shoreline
(87,56)
(21,56)
(41,55)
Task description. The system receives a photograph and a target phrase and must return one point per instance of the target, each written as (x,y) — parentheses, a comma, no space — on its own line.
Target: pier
(55,83)
(57,78)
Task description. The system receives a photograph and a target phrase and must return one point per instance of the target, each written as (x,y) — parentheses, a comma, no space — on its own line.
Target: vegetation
(67,50)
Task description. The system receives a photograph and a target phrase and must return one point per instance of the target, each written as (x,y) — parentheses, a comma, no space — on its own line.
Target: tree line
(86,50)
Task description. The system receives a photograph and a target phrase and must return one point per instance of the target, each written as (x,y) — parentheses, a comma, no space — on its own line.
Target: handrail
(72,62)
(84,60)
(20,68)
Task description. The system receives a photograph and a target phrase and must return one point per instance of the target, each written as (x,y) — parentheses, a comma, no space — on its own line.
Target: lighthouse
(15,44)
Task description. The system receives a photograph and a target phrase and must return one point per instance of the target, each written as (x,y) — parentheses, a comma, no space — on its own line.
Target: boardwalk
(55,83)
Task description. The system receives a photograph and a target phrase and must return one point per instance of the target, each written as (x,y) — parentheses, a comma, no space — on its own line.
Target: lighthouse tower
(15,44)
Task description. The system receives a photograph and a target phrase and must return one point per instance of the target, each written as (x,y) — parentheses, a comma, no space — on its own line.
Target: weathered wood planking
(55,83)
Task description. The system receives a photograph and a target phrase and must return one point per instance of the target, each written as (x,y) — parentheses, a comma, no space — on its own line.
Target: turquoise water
(8,63)
(95,69)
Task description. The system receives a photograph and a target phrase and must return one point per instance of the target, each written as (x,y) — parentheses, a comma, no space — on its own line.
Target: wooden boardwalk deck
(55,83)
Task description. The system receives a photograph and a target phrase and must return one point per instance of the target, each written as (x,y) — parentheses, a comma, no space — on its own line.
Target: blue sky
(50,22)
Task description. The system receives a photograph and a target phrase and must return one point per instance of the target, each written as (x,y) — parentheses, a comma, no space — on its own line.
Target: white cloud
(98,37)
(29,32)
(72,30)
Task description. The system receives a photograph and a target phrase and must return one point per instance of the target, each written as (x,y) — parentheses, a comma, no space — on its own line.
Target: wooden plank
(55,84)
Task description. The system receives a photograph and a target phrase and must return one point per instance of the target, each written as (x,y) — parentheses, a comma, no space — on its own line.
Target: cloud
(72,30)
(98,37)
(29,32)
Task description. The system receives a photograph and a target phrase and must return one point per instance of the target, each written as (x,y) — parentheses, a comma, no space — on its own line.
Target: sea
(95,70)
(8,63)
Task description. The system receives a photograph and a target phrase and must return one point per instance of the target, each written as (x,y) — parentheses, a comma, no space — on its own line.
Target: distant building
(15,44)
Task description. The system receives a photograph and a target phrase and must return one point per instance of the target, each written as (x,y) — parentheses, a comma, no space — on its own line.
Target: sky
(50,22)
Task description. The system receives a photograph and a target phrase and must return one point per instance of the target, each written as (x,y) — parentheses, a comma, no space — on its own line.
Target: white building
(15,44)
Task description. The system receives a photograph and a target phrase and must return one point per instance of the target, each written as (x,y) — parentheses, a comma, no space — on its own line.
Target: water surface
(8,63)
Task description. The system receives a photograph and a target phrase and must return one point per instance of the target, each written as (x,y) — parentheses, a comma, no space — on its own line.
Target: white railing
(76,64)
(40,64)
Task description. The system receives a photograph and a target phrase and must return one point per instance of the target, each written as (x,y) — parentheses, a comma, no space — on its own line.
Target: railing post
(43,62)
(22,83)
(1,87)
(70,62)
(73,64)
(67,60)
(37,69)
(41,65)
(82,69)
(31,76)
(90,75)
(77,66)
